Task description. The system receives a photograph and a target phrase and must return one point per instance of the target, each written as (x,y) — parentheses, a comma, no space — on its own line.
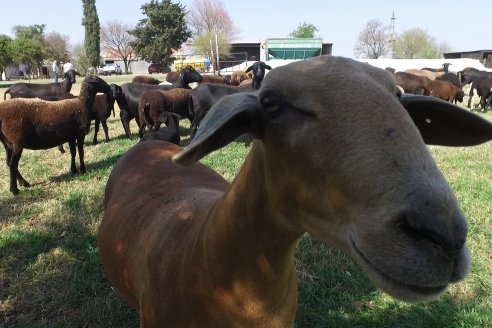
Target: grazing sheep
(128,98)
(154,102)
(101,110)
(145,79)
(217,79)
(444,90)
(450,77)
(411,83)
(419,72)
(483,85)
(470,74)
(169,133)
(39,124)
(48,91)
(187,249)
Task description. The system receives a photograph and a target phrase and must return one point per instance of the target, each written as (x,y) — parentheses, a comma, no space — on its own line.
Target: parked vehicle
(158,68)
(109,69)
(201,64)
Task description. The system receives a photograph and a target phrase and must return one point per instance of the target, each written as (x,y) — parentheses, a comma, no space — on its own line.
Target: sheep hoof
(14,191)
(24,184)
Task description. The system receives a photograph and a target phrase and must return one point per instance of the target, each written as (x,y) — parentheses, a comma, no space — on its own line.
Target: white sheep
(337,154)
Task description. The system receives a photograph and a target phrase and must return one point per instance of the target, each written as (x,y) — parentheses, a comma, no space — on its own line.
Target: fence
(227,63)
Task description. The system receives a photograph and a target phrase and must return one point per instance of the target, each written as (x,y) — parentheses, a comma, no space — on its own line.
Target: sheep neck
(248,232)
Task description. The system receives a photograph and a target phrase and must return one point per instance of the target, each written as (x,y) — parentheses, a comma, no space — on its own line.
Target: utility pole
(393,36)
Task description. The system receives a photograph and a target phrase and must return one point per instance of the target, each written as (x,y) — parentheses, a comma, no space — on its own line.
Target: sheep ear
(228,119)
(445,124)
(268,67)
(248,69)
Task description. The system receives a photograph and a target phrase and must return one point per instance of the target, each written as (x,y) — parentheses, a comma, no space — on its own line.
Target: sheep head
(344,158)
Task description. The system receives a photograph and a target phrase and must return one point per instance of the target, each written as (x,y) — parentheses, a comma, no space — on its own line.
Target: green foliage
(417,43)
(91,23)
(27,51)
(5,55)
(202,44)
(304,31)
(28,47)
(82,62)
(161,32)
(35,31)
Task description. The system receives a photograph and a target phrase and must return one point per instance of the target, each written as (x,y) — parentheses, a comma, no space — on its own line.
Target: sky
(459,24)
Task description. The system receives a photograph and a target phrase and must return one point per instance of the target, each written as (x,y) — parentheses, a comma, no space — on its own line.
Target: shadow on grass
(91,167)
(51,275)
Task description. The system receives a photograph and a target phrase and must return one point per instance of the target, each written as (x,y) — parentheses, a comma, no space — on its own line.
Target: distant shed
(484,56)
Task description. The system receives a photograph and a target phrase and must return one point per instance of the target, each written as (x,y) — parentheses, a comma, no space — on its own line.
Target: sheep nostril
(444,236)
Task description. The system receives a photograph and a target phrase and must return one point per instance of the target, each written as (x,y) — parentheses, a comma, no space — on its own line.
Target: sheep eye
(270,103)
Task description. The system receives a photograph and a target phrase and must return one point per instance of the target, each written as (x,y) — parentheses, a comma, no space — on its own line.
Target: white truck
(109,69)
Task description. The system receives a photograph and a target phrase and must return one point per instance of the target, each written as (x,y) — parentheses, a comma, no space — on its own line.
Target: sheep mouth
(395,287)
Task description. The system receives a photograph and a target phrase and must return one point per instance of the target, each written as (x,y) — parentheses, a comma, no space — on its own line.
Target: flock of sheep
(446,85)
(186,248)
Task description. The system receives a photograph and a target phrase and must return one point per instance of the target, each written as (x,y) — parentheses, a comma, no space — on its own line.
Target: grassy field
(50,272)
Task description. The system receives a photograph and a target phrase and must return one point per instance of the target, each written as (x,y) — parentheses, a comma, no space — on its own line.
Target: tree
(304,31)
(115,39)
(56,46)
(5,56)
(35,31)
(161,32)
(374,40)
(91,23)
(82,62)
(28,52)
(28,47)
(207,18)
(417,43)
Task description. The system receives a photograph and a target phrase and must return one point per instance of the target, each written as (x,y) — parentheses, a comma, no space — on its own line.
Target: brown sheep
(411,83)
(239,76)
(188,249)
(154,102)
(419,72)
(39,124)
(217,79)
(170,133)
(145,80)
(444,90)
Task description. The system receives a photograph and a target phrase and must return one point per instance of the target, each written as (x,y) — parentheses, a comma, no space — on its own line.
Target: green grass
(51,276)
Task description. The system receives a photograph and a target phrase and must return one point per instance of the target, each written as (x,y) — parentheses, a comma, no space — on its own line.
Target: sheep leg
(80,146)
(105,128)
(470,96)
(141,130)
(73,151)
(96,130)
(125,121)
(60,148)
(14,172)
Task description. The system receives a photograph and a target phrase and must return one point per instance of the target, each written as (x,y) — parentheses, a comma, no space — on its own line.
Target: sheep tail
(147,119)
(5,94)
